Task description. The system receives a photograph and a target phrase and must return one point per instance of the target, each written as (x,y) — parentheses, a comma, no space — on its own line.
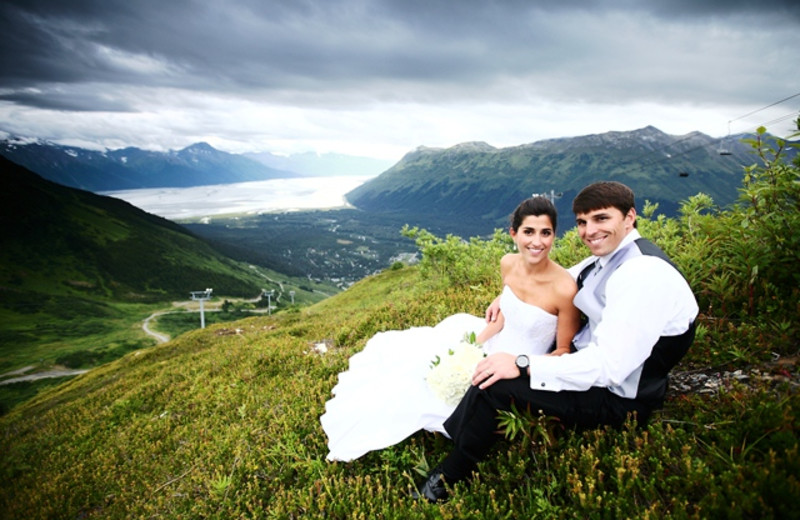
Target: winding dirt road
(45,374)
(161,338)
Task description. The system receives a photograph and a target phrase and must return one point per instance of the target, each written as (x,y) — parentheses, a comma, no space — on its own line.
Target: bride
(383,397)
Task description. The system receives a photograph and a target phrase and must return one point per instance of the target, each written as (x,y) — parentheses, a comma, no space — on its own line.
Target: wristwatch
(522,364)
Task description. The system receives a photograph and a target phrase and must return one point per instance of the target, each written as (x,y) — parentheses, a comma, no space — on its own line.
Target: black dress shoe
(433,488)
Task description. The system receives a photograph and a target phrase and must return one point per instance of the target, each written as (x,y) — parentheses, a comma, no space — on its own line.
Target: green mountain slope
(79,273)
(56,239)
(475,180)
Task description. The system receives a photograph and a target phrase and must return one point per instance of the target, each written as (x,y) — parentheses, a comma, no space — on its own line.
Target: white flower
(451,375)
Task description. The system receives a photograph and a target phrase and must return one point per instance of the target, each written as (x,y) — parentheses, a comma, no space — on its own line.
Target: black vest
(667,352)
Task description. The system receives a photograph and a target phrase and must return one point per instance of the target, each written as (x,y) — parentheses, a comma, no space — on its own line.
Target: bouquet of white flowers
(450,376)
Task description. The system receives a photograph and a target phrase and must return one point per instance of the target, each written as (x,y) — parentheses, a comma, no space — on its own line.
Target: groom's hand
(494,368)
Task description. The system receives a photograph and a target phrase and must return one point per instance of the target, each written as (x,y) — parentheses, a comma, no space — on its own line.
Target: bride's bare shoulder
(564,282)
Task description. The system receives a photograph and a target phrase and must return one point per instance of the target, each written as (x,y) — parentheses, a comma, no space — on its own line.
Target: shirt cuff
(543,375)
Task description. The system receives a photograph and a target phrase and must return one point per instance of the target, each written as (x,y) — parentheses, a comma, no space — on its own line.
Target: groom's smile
(602,230)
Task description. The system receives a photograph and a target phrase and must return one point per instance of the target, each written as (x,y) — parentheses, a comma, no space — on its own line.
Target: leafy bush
(455,262)
(215,425)
(753,250)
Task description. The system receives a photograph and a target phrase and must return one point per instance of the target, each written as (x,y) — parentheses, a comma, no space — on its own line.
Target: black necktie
(585,272)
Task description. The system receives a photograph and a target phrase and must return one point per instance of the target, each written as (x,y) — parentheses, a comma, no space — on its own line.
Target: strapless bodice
(528,329)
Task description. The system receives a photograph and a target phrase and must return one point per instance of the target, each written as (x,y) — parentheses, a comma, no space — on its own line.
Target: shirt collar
(627,239)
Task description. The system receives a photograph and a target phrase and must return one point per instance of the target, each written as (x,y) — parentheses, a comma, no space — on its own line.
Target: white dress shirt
(646,298)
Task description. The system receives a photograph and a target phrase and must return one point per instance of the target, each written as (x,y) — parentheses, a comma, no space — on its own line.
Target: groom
(641,315)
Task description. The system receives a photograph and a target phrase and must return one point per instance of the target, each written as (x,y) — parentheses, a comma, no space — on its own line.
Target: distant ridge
(131,168)
(480,181)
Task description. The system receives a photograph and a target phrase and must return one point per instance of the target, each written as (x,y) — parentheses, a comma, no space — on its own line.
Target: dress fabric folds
(383,397)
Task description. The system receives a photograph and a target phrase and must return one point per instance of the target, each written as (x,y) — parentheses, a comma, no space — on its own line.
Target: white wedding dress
(383,397)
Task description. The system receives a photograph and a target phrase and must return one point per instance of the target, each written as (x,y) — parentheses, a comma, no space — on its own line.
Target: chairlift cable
(764,108)
(790,115)
(720,140)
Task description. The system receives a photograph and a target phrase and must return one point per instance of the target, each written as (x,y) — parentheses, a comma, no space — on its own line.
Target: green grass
(218,425)
(179,322)
(215,424)
(14,393)
(57,326)
(75,333)
(77,326)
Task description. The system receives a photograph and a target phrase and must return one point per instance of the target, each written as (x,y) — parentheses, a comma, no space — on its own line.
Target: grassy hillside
(223,423)
(80,272)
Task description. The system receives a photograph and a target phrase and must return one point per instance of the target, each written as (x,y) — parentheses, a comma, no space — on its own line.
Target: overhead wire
(784,117)
(717,142)
(764,108)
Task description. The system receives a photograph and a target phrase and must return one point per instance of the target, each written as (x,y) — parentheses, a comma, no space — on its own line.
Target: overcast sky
(380,78)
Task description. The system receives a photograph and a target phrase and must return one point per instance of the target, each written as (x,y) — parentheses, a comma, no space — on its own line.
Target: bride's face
(534,238)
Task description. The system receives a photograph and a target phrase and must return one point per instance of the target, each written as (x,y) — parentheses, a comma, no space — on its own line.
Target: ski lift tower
(269,295)
(723,149)
(552,195)
(202,296)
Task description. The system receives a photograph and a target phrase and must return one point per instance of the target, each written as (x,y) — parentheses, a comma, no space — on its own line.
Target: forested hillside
(475,180)
(226,425)
(56,239)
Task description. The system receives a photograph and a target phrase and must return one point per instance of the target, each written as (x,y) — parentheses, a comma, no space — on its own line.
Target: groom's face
(603,229)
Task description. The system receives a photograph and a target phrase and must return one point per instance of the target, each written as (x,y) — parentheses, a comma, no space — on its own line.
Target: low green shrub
(217,424)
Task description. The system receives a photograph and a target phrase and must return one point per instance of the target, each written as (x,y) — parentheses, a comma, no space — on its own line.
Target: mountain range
(131,168)
(197,165)
(477,180)
(471,180)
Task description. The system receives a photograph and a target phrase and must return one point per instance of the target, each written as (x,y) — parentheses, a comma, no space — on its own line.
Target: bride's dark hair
(535,206)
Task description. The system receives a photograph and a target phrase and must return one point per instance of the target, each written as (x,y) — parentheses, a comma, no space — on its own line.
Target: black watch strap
(523,362)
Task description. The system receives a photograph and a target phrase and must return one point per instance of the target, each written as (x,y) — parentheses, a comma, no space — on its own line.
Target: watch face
(522,361)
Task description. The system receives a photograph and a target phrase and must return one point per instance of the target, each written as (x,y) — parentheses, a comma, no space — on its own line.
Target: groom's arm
(645,300)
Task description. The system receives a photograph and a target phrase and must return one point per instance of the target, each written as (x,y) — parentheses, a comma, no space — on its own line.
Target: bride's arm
(492,328)
(493,311)
(569,319)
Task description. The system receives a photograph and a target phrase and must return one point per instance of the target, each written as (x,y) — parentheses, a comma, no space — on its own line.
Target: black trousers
(473,425)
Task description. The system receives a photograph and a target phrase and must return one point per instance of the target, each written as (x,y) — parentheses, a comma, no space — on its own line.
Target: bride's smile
(535,237)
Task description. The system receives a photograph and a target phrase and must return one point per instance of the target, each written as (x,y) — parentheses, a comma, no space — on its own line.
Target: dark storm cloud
(68,101)
(384,76)
(689,8)
(313,47)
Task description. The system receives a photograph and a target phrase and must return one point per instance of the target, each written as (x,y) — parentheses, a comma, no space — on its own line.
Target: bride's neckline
(529,304)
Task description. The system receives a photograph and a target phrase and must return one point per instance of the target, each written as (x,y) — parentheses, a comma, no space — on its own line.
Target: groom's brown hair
(604,194)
